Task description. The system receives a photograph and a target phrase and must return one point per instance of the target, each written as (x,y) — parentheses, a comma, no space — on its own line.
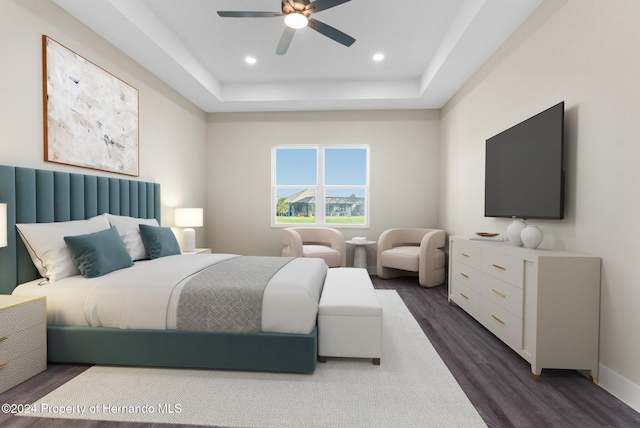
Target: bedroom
(567,50)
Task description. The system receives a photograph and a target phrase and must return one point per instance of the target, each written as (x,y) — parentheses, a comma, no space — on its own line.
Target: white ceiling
(431,48)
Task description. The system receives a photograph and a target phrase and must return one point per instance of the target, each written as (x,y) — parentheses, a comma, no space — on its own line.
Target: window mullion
(320,191)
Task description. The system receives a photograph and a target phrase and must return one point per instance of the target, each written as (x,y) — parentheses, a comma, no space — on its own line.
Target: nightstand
(23,339)
(198,251)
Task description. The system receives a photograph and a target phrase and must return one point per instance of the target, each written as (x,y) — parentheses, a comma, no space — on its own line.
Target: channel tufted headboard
(41,196)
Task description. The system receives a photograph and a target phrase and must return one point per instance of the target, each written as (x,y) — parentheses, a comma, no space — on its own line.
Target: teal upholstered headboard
(41,196)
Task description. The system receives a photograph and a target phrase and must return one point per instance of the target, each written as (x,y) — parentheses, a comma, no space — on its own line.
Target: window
(320,185)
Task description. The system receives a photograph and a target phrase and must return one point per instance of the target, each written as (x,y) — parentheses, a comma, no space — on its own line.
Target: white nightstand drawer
(27,366)
(19,313)
(506,268)
(23,334)
(22,342)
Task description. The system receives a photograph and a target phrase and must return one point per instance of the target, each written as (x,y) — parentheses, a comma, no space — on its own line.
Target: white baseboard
(620,387)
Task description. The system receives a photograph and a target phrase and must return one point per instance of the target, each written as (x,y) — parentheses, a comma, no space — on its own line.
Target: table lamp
(188,218)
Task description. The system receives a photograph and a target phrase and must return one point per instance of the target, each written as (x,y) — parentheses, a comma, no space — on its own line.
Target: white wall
(585,53)
(404,157)
(172,130)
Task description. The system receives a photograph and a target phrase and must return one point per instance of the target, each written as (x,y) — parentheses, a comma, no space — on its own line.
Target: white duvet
(145,296)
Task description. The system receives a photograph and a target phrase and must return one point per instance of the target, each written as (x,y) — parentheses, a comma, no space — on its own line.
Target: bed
(41,196)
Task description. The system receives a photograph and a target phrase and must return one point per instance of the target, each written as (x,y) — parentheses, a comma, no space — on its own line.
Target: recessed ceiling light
(378,57)
(250,60)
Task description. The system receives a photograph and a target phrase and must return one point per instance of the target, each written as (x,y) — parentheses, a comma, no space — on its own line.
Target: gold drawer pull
(465,275)
(465,255)
(465,296)
(498,293)
(499,267)
(497,319)
(3,365)
(2,339)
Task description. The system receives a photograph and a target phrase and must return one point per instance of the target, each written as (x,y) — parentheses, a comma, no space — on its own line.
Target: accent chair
(405,250)
(322,242)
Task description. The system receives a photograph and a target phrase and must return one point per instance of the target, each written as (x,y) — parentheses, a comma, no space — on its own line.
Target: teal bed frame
(42,196)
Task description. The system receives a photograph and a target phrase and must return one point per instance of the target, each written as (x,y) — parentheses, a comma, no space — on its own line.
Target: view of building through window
(320,185)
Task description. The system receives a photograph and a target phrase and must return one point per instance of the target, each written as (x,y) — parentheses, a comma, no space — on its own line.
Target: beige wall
(172,130)
(585,53)
(404,157)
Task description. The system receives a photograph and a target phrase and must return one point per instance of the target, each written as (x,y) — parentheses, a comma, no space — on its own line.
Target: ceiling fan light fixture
(296,20)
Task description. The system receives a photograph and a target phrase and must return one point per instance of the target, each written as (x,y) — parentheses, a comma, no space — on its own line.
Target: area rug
(411,388)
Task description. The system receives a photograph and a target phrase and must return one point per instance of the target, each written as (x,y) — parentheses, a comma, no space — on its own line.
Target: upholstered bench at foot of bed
(349,316)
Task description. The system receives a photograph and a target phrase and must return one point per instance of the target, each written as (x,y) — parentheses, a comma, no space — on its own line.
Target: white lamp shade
(188,217)
(3,225)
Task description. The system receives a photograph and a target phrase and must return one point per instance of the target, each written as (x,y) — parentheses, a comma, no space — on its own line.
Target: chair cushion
(405,258)
(331,256)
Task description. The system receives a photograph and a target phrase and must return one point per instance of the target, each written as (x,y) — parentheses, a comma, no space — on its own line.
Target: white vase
(514,231)
(532,237)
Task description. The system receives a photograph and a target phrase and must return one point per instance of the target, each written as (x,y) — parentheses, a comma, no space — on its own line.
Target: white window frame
(320,186)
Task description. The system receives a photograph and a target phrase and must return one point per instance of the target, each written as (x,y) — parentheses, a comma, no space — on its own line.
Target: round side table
(360,253)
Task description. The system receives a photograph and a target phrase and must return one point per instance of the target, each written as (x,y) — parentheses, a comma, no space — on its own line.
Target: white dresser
(23,339)
(544,304)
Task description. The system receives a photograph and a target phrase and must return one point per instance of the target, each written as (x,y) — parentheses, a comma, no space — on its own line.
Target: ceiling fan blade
(319,5)
(331,32)
(285,40)
(238,14)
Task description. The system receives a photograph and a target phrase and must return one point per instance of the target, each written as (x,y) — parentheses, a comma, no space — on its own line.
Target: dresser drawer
(466,275)
(502,293)
(22,342)
(501,322)
(20,316)
(20,369)
(465,297)
(464,253)
(506,268)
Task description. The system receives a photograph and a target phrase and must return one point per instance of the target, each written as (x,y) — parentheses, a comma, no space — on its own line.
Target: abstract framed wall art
(90,116)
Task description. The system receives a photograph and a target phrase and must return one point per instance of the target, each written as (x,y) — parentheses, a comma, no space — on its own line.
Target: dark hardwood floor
(496,380)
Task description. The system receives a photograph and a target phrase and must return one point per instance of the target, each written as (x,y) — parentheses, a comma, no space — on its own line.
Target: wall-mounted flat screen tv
(524,175)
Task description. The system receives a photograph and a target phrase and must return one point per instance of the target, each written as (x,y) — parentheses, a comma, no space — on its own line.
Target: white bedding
(146,295)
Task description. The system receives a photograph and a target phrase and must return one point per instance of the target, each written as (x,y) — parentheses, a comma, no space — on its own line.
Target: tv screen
(524,175)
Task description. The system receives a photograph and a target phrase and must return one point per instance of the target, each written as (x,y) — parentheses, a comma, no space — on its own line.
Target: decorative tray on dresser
(544,304)
(23,339)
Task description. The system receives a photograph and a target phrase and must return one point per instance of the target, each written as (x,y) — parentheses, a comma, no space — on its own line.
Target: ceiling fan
(297,15)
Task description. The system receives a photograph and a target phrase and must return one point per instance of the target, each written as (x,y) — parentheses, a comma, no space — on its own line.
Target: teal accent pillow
(99,253)
(159,241)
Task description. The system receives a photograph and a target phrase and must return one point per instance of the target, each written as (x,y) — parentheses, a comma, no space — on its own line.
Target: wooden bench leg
(322,359)
(376,361)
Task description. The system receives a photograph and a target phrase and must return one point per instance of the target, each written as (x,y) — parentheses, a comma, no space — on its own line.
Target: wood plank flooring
(496,380)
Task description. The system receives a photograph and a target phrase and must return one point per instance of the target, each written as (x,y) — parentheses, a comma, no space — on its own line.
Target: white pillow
(129,231)
(46,246)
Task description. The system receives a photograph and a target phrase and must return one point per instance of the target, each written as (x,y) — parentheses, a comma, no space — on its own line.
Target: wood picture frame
(90,116)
